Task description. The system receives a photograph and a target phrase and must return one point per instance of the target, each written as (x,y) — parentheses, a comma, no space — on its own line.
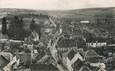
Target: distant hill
(62,13)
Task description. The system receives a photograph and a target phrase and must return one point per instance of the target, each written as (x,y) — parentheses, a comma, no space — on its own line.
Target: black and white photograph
(57,35)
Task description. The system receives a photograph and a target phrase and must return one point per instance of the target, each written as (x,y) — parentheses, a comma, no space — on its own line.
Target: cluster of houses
(18,55)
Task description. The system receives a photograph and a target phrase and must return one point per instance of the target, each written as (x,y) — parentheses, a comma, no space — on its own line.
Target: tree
(105,20)
(4,26)
(35,27)
(16,30)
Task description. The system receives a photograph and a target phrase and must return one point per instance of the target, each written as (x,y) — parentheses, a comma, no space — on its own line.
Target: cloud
(56,4)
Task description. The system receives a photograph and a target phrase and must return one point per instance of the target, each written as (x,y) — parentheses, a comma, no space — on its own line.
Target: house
(92,57)
(96,42)
(28,69)
(6,55)
(84,21)
(85,68)
(25,58)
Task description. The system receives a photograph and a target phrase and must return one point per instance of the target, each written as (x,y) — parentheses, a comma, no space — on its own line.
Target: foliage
(16,30)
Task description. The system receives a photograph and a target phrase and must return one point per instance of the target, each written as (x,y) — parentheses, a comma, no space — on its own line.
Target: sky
(56,4)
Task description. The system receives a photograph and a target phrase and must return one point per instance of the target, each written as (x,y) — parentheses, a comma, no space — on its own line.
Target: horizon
(57,9)
(56,4)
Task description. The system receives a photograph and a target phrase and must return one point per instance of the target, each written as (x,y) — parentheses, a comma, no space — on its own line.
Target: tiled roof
(3,61)
(67,43)
(43,67)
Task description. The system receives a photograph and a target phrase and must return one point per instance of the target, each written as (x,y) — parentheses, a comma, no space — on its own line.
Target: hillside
(101,19)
